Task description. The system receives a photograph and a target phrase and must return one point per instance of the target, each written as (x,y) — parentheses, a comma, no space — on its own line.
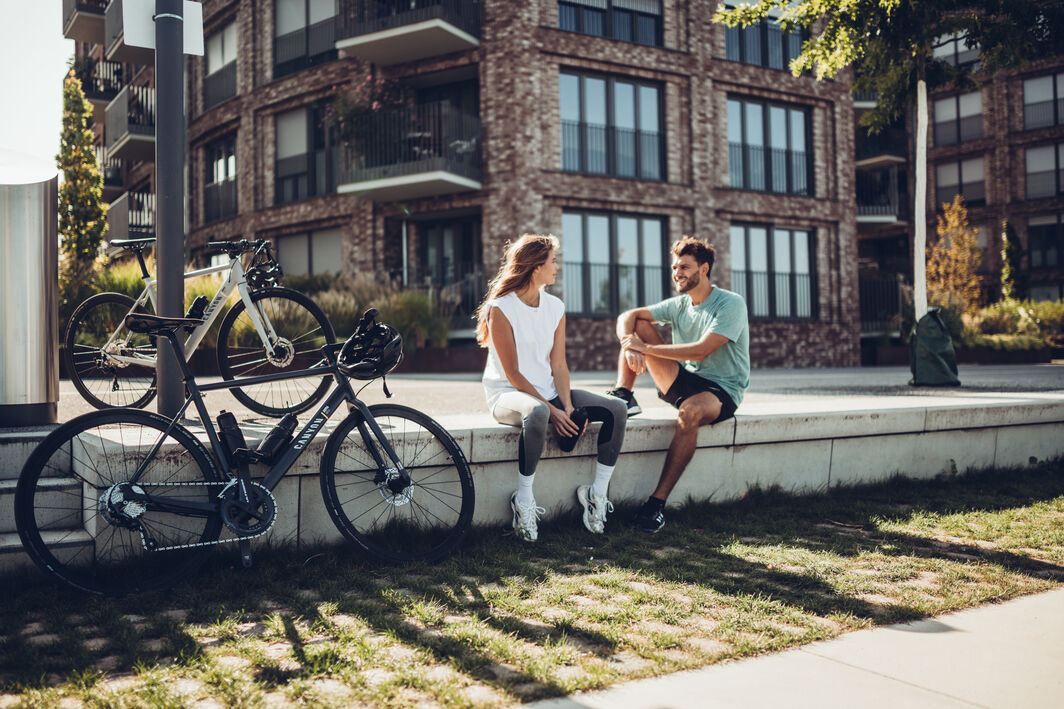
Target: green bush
(312,284)
(951,312)
(1011,343)
(417,317)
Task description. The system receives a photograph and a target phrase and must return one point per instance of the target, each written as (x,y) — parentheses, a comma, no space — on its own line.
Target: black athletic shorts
(687,384)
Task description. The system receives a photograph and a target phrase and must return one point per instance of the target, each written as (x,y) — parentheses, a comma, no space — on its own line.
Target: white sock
(603,473)
(524,489)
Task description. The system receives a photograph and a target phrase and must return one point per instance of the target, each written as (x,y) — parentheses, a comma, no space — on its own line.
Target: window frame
(1057,101)
(737,37)
(956,124)
(610,13)
(308,237)
(225,149)
(321,143)
(306,60)
(960,187)
(1058,170)
(1044,243)
(766,146)
(611,128)
(771,275)
(585,309)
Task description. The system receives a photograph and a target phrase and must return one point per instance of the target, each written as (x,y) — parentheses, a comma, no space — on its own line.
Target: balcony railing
(111,172)
(219,201)
(430,138)
(598,149)
(880,303)
(866,96)
(101,80)
(959,131)
(780,296)
(891,142)
(787,171)
(460,284)
(393,31)
(879,194)
(219,86)
(608,289)
(131,216)
(306,47)
(83,20)
(130,124)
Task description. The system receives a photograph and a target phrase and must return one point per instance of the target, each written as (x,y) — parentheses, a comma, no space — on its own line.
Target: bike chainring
(247,508)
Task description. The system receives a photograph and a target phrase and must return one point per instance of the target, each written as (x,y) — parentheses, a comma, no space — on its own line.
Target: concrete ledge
(811,447)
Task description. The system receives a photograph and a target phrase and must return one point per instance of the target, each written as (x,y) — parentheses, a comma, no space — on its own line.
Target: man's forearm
(694,352)
(626,323)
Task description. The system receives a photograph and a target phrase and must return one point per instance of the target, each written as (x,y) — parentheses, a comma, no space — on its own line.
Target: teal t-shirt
(723,313)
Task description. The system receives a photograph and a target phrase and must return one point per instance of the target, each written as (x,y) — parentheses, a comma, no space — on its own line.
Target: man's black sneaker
(628,398)
(650,517)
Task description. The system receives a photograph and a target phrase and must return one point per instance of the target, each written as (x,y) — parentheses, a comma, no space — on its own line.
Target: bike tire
(100,380)
(299,322)
(70,531)
(439,509)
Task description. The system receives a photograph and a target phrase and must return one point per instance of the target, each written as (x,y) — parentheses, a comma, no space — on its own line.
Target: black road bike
(125,501)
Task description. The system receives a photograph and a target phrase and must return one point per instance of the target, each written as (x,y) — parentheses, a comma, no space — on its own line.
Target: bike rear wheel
(96,337)
(77,510)
(301,328)
(421,522)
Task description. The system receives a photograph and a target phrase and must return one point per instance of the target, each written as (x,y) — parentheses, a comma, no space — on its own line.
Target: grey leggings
(515,408)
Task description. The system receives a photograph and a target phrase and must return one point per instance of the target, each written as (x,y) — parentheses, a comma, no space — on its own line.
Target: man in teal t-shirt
(703,373)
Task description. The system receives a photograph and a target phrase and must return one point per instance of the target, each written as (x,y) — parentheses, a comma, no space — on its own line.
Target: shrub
(415,314)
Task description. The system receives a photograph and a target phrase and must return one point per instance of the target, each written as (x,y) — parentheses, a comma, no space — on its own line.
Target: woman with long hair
(526,380)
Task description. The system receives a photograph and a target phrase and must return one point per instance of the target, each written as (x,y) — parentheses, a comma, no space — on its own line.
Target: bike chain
(225,484)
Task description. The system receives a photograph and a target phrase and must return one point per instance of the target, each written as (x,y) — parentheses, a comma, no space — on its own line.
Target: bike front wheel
(91,502)
(421,521)
(109,365)
(301,329)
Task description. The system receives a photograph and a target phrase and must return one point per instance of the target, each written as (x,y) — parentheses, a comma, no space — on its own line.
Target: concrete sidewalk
(1008,655)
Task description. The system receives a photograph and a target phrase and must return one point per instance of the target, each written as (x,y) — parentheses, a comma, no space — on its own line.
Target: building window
(959,118)
(312,252)
(304,35)
(219,191)
(763,44)
(308,155)
(1043,101)
(767,147)
(611,126)
(1045,241)
(964,177)
(612,262)
(219,81)
(629,20)
(1044,171)
(772,269)
(952,49)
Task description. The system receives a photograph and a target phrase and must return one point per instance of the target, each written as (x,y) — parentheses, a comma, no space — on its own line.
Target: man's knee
(694,413)
(537,418)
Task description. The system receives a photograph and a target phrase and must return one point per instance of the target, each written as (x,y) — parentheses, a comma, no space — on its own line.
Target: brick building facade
(618,125)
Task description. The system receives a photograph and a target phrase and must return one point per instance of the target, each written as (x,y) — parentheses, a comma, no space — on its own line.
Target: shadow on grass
(52,635)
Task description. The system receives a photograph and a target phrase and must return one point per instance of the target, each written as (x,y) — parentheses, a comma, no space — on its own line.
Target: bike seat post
(143,266)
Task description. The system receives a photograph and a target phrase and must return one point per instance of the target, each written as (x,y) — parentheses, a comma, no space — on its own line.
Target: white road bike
(269,330)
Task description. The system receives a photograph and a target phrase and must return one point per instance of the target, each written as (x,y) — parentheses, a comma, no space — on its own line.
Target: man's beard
(691,281)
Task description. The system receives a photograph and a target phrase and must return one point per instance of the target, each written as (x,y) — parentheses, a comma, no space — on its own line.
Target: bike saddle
(146,324)
(133,244)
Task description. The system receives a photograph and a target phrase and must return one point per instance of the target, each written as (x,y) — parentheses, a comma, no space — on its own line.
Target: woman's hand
(562,423)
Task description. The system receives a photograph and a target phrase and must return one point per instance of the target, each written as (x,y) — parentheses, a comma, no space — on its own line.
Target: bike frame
(368,428)
(236,280)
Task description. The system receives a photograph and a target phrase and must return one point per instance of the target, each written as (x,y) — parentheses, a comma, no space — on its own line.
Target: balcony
(889,146)
(389,32)
(116,47)
(865,99)
(304,48)
(111,172)
(394,155)
(101,81)
(219,201)
(219,86)
(880,198)
(130,125)
(131,216)
(83,20)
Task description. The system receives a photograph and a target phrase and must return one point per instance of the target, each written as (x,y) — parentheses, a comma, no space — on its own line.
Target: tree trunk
(920,205)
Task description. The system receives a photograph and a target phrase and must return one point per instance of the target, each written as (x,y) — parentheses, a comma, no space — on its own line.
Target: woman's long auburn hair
(522,258)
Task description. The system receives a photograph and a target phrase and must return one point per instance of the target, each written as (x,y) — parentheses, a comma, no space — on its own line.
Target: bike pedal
(245,553)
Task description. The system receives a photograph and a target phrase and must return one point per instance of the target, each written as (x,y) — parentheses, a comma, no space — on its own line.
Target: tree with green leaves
(953,260)
(82,217)
(891,47)
(1013,283)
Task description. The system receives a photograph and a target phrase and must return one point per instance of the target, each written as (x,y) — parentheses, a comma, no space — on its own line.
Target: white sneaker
(526,518)
(595,509)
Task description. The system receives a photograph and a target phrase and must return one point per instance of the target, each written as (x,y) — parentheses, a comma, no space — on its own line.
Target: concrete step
(14,558)
(15,448)
(55,507)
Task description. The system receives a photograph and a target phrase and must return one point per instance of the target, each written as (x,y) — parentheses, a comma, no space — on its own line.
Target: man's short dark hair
(699,250)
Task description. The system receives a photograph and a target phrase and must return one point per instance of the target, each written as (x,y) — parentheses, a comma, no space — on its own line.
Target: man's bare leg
(694,412)
(666,369)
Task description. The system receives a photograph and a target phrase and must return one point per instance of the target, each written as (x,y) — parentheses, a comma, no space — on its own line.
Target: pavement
(1008,655)
(1005,655)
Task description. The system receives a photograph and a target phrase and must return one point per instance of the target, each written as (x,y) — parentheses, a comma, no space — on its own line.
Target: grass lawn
(503,622)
